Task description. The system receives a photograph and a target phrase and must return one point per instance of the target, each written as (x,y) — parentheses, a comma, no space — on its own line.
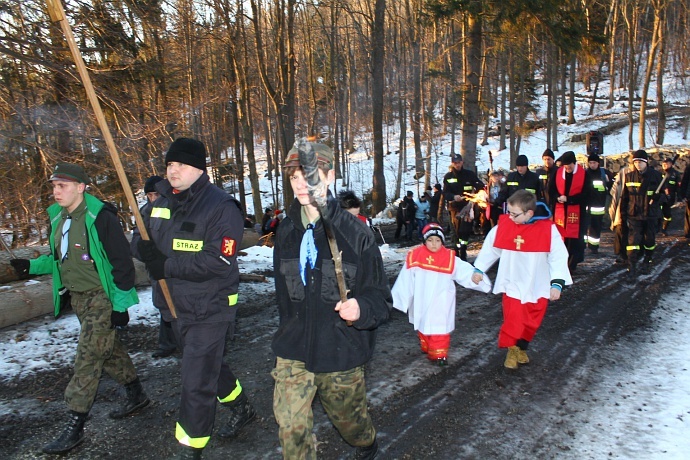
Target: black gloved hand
(119,318)
(153,258)
(21,267)
(65,301)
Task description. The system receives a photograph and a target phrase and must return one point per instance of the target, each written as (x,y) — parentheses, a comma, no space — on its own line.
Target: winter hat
(667,160)
(548,153)
(433,229)
(593,157)
(568,158)
(150,184)
(456,158)
(324,155)
(187,151)
(70,172)
(438,187)
(410,193)
(521,160)
(640,155)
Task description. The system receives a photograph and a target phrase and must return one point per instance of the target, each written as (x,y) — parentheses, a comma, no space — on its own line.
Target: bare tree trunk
(378,196)
(661,63)
(571,87)
(651,55)
(471,110)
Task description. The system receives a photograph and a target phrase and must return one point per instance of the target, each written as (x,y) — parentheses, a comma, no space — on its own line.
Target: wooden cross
(430,260)
(518,241)
(572,218)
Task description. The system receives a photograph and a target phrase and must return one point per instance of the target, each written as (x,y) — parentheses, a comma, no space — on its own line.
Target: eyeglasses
(515,215)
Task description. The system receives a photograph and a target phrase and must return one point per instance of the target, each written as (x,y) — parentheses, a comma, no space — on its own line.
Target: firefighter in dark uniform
(600,182)
(455,183)
(640,208)
(670,189)
(195,231)
(546,175)
(523,179)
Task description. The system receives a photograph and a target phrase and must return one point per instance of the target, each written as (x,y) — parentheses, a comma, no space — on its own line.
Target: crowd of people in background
(536,225)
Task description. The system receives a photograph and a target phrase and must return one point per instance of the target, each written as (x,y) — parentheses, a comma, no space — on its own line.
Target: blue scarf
(307,252)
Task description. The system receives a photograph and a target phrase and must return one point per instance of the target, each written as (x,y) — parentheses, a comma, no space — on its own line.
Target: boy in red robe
(533,269)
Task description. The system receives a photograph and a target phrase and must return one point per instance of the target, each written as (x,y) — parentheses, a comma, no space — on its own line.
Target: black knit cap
(593,157)
(568,158)
(548,153)
(187,151)
(522,160)
(640,155)
(150,184)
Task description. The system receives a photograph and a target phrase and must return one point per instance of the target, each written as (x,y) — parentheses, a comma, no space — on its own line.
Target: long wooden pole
(57,14)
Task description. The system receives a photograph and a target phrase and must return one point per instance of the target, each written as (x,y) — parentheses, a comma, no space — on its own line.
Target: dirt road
(473,408)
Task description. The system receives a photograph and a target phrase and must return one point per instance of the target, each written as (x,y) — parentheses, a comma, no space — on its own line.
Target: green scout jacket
(120,291)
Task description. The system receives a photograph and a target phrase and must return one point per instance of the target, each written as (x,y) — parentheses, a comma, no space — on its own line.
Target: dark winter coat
(546,176)
(200,233)
(310,329)
(529,181)
(639,189)
(672,185)
(600,183)
(434,203)
(459,182)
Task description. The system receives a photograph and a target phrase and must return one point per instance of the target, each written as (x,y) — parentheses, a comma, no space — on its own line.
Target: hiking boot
(71,437)
(522,357)
(620,261)
(160,353)
(367,453)
(242,414)
(511,361)
(442,362)
(189,453)
(136,399)
(632,271)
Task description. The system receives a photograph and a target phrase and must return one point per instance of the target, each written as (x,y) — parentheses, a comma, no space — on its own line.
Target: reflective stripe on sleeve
(161,213)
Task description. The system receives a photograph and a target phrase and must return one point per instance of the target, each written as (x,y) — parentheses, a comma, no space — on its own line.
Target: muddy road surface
(473,408)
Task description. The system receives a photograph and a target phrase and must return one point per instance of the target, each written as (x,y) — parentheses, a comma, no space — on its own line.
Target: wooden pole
(57,14)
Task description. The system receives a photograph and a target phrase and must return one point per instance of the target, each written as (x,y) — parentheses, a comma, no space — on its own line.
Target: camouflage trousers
(343,395)
(98,349)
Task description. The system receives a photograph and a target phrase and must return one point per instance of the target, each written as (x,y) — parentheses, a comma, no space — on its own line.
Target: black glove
(153,258)
(21,266)
(65,301)
(119,318)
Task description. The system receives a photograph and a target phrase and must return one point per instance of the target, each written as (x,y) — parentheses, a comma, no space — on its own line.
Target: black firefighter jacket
(310,329)
(638,191)
(200,234)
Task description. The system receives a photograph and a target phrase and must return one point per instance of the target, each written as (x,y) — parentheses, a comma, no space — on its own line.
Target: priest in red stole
(572,192)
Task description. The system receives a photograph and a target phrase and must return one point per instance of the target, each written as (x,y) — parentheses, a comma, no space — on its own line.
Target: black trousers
(205,377)
(641,239)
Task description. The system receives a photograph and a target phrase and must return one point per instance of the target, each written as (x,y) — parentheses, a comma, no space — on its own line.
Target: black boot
(463,253)
(188,453)
(367,453)
(136,399)
(242,414)
(71,437)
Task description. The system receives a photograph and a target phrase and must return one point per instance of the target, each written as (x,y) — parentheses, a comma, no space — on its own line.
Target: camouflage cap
(70,172)
(324,155)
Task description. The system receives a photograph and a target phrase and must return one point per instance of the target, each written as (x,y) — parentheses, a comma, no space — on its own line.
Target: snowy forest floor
(589,391)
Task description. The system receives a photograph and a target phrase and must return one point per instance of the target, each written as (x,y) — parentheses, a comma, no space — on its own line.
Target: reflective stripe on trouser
(205,378)
(99,349)
(641,232)
(520,320)
(343,396)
